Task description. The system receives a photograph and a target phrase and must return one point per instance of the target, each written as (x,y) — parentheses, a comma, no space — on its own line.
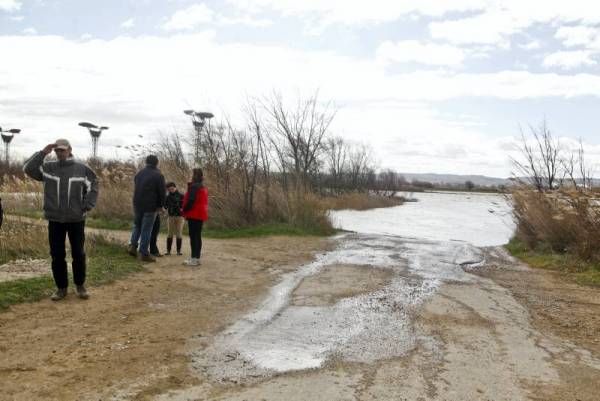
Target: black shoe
(82,292)
(60,293)
(132,250)
(146,258)
(179,241)
(169,245)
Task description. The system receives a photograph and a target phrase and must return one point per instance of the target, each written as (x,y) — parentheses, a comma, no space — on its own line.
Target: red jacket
(195,203)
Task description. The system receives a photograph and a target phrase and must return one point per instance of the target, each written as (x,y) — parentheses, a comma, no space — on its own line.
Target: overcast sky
(433,85)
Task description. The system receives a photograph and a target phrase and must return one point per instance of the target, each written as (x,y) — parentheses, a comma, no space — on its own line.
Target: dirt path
(129,340)
(262,319)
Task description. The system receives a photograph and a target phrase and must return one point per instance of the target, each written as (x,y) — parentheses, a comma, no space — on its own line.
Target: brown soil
(128,341)
(563,309)
(337,282)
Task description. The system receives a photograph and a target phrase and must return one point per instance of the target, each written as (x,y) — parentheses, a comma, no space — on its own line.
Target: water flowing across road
(418,245)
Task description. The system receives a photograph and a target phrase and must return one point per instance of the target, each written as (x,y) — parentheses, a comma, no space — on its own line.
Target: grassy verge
(106,263)
(260,230)
(583,272)
(91,221)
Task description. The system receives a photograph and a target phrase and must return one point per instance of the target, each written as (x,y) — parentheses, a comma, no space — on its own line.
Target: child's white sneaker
(192,262)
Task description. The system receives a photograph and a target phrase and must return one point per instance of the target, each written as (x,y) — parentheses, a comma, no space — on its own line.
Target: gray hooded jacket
(70,187)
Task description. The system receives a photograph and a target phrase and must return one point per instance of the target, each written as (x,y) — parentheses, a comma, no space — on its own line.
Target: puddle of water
(281,337)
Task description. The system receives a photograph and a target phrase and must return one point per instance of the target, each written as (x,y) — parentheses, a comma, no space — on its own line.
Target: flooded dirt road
(446,315)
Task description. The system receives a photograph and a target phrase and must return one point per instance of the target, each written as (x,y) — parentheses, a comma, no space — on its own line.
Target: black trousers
(195,231)
(57,233)
(154,235)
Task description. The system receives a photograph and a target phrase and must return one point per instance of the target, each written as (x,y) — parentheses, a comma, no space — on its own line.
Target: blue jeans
(142,230)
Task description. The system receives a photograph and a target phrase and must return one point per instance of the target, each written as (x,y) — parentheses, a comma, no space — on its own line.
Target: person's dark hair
(171,184)
(152,160)
(197,176)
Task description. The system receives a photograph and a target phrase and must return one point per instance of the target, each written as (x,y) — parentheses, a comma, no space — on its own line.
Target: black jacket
(70,187)
(174,203)
(150,192)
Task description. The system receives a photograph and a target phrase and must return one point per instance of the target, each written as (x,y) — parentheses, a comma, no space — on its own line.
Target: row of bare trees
(284,149)
(546,164)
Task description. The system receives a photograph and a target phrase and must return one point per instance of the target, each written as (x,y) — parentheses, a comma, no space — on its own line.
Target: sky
(433,86)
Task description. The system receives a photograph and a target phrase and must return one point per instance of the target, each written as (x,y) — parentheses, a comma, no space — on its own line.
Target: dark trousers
(154,236)
(57,233)
(195,231)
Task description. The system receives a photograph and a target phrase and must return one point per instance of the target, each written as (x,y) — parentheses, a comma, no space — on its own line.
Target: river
(476,218)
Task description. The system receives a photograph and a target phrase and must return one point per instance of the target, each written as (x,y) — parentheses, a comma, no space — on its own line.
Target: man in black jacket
(148,200)
(70,191)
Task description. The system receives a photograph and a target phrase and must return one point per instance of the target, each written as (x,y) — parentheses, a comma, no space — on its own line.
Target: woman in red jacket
(195,211)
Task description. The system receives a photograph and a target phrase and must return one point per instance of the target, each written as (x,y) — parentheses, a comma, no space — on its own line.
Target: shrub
(565,221)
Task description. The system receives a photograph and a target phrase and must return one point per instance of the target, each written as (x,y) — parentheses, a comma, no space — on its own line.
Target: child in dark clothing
(174,204)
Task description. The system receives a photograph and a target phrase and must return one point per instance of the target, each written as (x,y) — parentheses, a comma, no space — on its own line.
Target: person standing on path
(174,204)
(195,211)
(70,191)
(148,200)
(154,251)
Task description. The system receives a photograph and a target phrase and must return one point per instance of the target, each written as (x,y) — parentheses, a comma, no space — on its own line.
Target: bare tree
(359,167)
(541,164)
(336,155)
(298,134)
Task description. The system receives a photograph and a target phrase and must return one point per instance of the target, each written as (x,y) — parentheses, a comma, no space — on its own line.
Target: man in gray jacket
(70,191)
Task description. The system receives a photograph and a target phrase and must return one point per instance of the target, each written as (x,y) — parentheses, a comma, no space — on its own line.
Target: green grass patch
(91,221)
(581,271)
(106,262)
(260,230)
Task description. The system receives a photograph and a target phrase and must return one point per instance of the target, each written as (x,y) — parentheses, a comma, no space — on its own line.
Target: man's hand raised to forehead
(49,148)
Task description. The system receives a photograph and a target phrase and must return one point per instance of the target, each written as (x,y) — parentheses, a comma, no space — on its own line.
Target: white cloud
(190,18)
(30,31)
(568,60)
(52,83)
(502,19)
(358,11)
(128,24)
(86,36)
(246,20)
(422,53)
(17,18)
(198,15)
(532,45)
(10,5)
(487,28)
(575,36)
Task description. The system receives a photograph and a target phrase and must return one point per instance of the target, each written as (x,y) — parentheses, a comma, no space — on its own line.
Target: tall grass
(21,240)
(564,221)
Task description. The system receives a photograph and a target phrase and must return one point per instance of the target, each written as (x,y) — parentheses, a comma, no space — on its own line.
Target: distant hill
(452,179)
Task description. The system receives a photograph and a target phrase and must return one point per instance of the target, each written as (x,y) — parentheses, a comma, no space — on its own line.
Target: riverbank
(567,266)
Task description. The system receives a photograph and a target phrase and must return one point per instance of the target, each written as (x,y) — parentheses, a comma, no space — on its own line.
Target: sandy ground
(506,333)
(129,340)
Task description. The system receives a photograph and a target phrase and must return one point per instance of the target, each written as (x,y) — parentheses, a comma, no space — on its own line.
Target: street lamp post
(7,137)
(199,119)
(95,132)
